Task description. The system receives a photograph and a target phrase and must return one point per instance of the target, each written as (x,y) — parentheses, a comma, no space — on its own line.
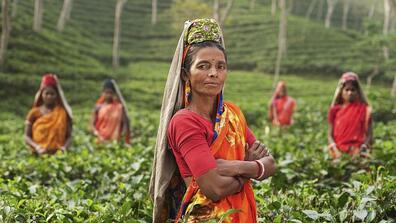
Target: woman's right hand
(40,150)
(256,151)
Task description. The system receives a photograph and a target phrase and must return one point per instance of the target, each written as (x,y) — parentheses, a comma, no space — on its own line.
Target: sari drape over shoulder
(281,107)
(50,130)
(350,121)
(166,185)
(350,124)
(109,121)
(229,145)
(112,120)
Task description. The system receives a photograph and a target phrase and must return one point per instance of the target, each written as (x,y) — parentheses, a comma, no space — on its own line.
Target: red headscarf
(51,80)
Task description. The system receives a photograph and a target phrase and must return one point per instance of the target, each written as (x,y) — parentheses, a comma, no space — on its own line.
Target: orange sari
(109,121)
(49,131)
(229,145)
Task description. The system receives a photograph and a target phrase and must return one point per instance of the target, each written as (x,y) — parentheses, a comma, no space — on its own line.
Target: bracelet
(261,170)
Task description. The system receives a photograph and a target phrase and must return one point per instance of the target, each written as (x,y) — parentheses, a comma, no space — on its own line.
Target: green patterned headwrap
(203,30)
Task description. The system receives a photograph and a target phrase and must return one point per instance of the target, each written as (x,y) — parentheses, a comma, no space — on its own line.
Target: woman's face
(108,94)
(349,92)
(208,72)
(49,95)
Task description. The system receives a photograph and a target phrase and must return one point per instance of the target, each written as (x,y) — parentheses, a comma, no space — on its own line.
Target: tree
(330,10)
(154,12)
(345,14)
(14,8)
(6,28)
(38,15)
(372,9)
(117,30)
(273,7)
(310,8)
(282,39)
(389,5)
(182,10)
(371,76)
(216,13)
(64,15)
(387,14)
(221,15)
(319,16)
(252,4)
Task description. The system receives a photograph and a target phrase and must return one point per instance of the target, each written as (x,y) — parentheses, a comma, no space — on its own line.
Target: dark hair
(194,48)
(353,82)
(108,84)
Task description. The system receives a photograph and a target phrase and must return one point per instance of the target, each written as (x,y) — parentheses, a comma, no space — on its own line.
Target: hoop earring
(187,93)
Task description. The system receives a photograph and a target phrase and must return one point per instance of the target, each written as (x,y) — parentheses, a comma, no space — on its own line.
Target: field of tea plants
(91,183)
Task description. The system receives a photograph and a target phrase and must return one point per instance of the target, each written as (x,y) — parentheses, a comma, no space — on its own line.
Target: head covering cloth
(348,76)
(51,80)
(164,164)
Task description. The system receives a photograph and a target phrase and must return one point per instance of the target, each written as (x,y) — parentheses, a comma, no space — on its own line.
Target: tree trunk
(216,8)
(310,9)
(370,77)
(64,15)
(154,12)
(117,31)
(282,39)
(68,13)
(290,7)
(392,23)
(5,31)
(393,91)
(372,9)
(252,4)
(345,14)
(319,16)
(38,15)
(329,14)
(14,8)
(273,7)
(226,11)
(387,13)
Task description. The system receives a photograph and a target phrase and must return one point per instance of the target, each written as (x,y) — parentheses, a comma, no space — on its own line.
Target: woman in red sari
(350,123)
(49,122)
(110,119)
(281,106)
(205,155)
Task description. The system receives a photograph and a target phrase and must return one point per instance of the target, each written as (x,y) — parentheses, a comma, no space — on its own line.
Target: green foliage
(109,183)
(183,10)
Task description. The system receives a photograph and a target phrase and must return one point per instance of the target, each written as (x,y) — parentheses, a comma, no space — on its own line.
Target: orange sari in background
(229,145)
(109,120)
(350,124)
(49,130)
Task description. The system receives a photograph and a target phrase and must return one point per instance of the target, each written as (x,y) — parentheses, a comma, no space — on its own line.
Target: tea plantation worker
(49,123)
(110,120)
(349,117)
(281,106)
(203,142)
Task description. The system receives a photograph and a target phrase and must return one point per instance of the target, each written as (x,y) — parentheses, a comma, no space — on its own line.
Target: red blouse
(190,136)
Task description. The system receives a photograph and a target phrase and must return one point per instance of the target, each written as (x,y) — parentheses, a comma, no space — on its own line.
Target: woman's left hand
(227,167)
(256,151)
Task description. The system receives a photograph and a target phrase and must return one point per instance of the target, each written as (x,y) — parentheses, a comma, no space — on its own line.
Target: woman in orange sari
(350,123)
(49,123)
(205,154)
(110,119)
(281,106)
